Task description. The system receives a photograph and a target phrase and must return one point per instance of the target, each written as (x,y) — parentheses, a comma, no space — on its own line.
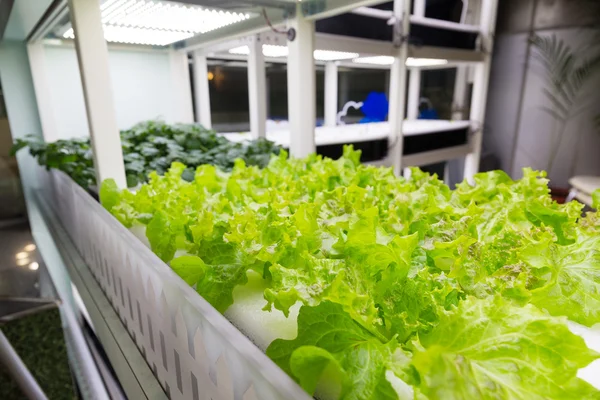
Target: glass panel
(229,97)
(437,92)
(12,205)
(356,84)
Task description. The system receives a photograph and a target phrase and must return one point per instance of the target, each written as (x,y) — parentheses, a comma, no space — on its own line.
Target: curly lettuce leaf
(490,349)
(109,194)
(161,237)
(213,282)
(569,283)
(190,268)
(328,338)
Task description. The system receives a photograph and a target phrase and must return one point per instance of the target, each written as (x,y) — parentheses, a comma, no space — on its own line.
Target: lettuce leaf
(571,278)
(490,349)
(329,338)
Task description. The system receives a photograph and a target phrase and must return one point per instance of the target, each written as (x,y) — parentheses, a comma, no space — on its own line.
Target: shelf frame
(92,57)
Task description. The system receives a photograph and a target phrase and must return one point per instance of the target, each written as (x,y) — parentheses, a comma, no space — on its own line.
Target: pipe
(18,370)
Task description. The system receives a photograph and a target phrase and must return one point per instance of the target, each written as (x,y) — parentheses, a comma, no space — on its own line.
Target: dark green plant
(150,146)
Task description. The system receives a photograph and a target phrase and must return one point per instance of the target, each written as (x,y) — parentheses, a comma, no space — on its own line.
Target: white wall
(517,129)
(141,82)
(579,151)
(506,81)
(527,142)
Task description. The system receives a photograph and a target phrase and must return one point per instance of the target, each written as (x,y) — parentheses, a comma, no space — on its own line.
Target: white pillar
(182,109)
(414,92)
(37,61)
(398,87)
(201,90)
(419,8)
(301,86)
(257,89)
(92,55)
(480,87)
(331,93)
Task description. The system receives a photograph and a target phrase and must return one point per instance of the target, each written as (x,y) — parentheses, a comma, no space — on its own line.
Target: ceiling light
(29,247)
(424,62)
(155,22)
(21,255)
(34,266)
(328,55)
(270,50)
(376,60)
(244,50)
(410,62)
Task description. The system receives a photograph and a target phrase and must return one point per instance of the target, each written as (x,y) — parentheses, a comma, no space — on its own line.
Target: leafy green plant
(408,290)
(150,146)
(73,157)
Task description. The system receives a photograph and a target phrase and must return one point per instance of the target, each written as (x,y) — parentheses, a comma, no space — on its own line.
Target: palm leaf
(566,76)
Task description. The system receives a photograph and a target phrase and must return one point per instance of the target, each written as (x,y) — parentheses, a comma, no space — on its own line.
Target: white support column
(257,89)
(331,93)
(419,8)
(480,87)
(414,92)
(37,61)
(201,90)
(301,83)
(92,55)
(398,86)
(182,109)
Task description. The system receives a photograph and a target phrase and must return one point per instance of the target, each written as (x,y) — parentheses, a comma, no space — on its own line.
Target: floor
(20,263)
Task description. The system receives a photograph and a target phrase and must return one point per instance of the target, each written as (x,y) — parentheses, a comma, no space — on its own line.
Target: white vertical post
(92,55)
(414,92)
(181,106)
(398,85)
(257,89)
(201,90)
(419,8)
(331,93)
(301,86)
(37,61)
(480,87)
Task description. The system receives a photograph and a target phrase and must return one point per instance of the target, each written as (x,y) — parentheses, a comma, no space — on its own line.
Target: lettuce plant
(408,289)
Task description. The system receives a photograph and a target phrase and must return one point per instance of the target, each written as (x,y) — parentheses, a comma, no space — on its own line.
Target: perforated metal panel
(194,351)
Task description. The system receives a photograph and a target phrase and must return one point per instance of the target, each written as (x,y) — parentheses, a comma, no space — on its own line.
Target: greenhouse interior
(296,199)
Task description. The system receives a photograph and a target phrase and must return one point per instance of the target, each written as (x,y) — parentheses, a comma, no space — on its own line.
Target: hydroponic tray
(193,350)
(373,138)
(355,133)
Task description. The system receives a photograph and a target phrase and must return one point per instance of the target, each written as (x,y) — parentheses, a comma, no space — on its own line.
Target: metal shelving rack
(268,24)
(52,200)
